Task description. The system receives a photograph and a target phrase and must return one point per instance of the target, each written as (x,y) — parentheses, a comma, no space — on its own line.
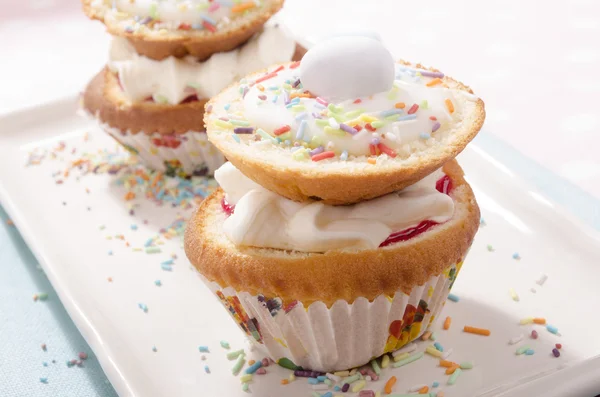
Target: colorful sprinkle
(408,360)
(552,329)
(454,376)
(453,298)
(516,339)
(477,331)
(555,352)
(447,323)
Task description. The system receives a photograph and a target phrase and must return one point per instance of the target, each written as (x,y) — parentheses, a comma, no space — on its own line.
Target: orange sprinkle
(243,7)
(372,161)
(448,364)
(389,384)
(426,335)
(424,389)
(295,65)
(540,321)
(440,394)
(109,279)
(400,105)
(447,322)
(250,362)
(260,87)
(478,331)
(285,381)
(129,196)
(386,149)
(300,95)
(433,82)
(451,370)
(449,105)
(323,156)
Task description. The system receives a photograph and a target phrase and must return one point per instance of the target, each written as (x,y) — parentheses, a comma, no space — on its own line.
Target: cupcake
(320,286)
(348,124)
(200,28)
(155,108)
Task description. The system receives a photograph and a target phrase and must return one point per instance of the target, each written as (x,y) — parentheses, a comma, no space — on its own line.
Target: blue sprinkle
(313,381)
(438,346)
(45,364)
(227,106)
(203,349)
(482,221)
(301,116)
(390,112)
(321,378)
(424,135)
(344,155)
(158,283)
(453,298)
(529,352)
(134,227)
(337,388)
(197,26)
(516,256)
(252,369)
(408,117)
(552,329)
(44,380)
(236,138)
(143,307)
(328,394)
(149,242)
(154,349)
(435,384)
(206,369)
(275,98)
(301,129)
(209,19)
(110,252)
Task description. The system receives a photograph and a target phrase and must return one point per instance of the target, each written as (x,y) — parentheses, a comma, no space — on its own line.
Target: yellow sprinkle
(367,119)
(246,378)
(163,31)
(358,386)
(513,295)
(401,357)
(182,7)
(385,361)
(292,377)
(342,373)
(333,131)
(528,320)
(433,351)
(378,393)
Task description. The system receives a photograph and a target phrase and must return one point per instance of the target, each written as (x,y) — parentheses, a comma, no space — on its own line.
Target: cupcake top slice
(159,29)
(346,125)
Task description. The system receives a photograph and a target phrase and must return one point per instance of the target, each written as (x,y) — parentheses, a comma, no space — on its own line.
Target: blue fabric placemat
(26,324)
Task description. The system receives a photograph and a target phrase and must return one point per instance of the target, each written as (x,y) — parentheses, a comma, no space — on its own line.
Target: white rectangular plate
(182,314)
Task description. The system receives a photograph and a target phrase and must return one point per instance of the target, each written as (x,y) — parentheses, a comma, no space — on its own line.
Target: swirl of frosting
(363,111)
(265,219)
(171,80)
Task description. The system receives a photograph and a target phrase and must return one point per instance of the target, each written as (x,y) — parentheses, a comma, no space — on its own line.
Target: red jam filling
(443,185)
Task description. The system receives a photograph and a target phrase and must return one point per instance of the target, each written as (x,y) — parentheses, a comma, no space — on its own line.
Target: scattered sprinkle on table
(453,297)
(516,256)
(477,331)
(143,307)
(224,344)
(203,349)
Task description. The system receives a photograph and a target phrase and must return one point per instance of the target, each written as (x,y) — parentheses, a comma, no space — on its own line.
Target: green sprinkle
(338,117)
(375,367)
(433,336)
(287,363)
(424,104)
(153,250)
(245,387)
(300,154)
(234,354)
(298,108)
(333,131)
(246,378)
(522,350)
(354,113)
(242,123)
(321,122)
(408,360)
(454,376)
(392,117)
(328,382)
(238,365)
(351,379)
(42,296)
(160,98)
(153,11)
(224,344)
(466,365)
(490,248)
(392,95)
(335,109)
(263,134)
(315,394)
(194,85)
(223,124)
(315,141)
(287,87)
(377,124)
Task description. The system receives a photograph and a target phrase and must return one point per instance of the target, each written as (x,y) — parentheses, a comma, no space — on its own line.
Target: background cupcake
(153,102)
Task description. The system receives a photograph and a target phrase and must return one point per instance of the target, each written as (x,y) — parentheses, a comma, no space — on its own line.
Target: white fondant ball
(347,67)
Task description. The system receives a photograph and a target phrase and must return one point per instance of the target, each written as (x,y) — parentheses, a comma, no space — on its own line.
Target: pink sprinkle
(214,7)
(265,362)
(83,355)
(413,109)
(321,101)
(366,393)
(558,346)
(261,371)
(534,334)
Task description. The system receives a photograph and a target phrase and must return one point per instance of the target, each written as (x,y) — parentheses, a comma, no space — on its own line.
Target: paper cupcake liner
(174,154)
(344,336)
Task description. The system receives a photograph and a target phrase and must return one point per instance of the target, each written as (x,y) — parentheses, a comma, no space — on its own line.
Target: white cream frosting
(173,79)
(265,219)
